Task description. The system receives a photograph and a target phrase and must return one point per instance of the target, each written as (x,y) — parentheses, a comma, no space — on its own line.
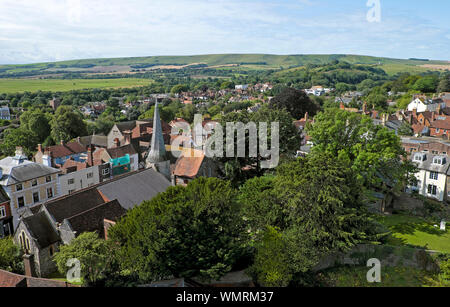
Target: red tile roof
(188,165)
(65,150)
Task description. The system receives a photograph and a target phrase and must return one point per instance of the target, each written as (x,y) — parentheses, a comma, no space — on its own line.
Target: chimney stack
(306,116)
(28,262)
(40,147)
(90,155)
(127,137)
(62,142)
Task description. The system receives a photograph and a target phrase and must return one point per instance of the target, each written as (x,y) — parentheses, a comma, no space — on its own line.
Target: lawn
(416,231)
(390,277)
(60,85)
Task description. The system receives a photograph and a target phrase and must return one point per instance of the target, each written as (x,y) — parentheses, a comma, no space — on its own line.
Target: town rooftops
(15,170)
(96,140)
(121,151)
(65,149)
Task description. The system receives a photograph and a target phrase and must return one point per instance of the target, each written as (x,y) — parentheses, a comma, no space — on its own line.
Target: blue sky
(52,30)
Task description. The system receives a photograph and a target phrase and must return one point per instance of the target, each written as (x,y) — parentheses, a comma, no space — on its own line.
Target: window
(19,187)
(24,243)
(438,130)
(105,171)
(34,182)
(21,201)
(90,175)
(49,193)
(2,212)
(432,189)
(48,178)
(434,175)
(51,250)
(36,197)
(71,181)
(71,191)
(439,160)
(434,152)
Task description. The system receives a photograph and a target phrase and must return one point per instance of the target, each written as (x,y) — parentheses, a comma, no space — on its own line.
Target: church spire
(158,149)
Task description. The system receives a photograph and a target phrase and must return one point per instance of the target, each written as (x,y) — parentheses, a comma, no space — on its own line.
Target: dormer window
(439,160)
(420,157)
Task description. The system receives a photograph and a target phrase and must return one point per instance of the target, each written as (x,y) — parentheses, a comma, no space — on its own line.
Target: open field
(416,231)
(33,85)
(217,61)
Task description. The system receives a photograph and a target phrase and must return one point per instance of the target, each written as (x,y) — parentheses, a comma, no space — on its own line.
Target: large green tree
(296,102)
(375,153)
(93,253)
(67,124)
(288,142)
(22,137)
(184,232)
(37,121)
(10,256)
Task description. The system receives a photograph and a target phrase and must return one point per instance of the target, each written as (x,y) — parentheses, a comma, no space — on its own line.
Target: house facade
(432,175)
(27,183)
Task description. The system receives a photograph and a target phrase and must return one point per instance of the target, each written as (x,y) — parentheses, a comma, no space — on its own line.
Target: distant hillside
(248,61)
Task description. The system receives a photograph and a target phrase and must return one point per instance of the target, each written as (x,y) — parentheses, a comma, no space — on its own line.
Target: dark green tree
(296,102)
(67,124)
(184,232)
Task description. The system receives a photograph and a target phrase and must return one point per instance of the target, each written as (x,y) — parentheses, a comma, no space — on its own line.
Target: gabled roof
(73,204)
(92,219)
(123,126)
(133,189)
(188,165)
(41,229)
(64,150)
(121,151)
(441,124)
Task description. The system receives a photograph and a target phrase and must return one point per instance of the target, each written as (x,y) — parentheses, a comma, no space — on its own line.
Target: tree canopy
(184,232)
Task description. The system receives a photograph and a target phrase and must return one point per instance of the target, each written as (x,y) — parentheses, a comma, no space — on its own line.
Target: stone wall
(390,256)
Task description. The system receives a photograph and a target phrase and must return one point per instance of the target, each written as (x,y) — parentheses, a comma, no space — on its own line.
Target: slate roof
(41,229)
(133,189)
(92,219)
(428,163)
(123,126)
(96,140)
(14,173)
(3,196)
(73,204)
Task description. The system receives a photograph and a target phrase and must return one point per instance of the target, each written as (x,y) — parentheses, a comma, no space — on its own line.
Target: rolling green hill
(249,61)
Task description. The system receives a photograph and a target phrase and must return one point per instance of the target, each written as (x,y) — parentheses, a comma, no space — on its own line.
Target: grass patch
(58,85)
(390,277)
(416,231)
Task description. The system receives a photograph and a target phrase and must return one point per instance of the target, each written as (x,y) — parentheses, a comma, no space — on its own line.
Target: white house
(423,105)
(432,175)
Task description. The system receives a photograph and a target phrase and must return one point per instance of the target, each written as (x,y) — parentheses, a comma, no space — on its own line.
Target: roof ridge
(93,208)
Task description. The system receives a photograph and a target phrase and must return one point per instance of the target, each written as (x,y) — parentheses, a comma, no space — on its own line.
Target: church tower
(157,158)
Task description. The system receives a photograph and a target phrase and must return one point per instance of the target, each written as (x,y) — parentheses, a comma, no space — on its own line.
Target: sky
(53,30)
